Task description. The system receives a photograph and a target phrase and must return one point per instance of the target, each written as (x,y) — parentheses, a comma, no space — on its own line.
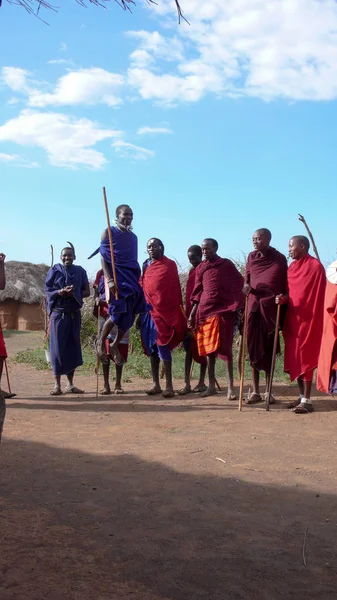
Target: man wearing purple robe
(131,299)
(66,286)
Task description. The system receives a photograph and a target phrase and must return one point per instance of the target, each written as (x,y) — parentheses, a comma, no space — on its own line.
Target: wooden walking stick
(7,376)
(314,247)
(110,244)
(273,361)
(243,355)
(97,359)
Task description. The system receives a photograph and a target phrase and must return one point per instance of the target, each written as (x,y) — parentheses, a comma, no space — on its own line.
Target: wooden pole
(110,244)
(7,376)
(273,361)
(97,359)
(311,237)
(243,356)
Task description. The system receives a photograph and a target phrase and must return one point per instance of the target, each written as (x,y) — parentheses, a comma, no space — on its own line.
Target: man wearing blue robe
(131,299)
(66,286)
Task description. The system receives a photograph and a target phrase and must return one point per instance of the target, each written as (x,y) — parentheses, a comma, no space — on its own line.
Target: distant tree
(34,6)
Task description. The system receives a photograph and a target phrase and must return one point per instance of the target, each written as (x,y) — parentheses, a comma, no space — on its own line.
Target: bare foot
(156,389)
(210,391)
(168,393)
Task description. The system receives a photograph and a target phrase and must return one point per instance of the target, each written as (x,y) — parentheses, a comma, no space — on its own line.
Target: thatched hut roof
(24,282)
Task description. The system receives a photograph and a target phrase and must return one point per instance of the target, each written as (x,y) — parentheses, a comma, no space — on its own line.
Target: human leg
(71,388)
(188,364)
(118,384)
(230,378)
(201,387)
(211,389)
(155,362)
(304,404)
(106,372)
(255,396)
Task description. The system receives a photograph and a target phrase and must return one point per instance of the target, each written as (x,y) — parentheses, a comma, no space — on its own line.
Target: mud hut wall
(30,317)
(8,314)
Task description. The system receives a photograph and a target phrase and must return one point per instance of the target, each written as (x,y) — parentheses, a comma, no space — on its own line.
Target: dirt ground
(127,498)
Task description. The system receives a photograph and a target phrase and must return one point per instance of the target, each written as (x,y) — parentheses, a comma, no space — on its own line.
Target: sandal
(199,389)
(208,392)
(153,391)
(7,395)
(168,393)
(118,391)
(185,390)
(303,408)
(272,399)
(72,389)
(231,397)
(295,403)
(253,398)
(56,391)
(105,392)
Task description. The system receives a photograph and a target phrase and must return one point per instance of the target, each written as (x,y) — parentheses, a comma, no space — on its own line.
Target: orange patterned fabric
(208,336)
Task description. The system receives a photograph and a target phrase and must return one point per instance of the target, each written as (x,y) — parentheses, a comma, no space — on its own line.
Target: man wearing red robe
(327,363)
(164,326)
(194,254)
(266,277)
(216,298)
(303,324)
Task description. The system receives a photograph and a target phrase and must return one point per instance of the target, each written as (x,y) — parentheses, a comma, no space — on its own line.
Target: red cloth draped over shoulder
(3,351)
(328,352)
(267,276)
(303,324)
(162,290)
(218,289)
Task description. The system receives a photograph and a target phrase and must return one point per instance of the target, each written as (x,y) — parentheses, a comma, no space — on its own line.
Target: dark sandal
(185,390)
(303,408)
(272,399)
(72,389)
(253,398)
(56,391)
(152,392)
(168,393)
(105,392)
(294,403)
(199,389)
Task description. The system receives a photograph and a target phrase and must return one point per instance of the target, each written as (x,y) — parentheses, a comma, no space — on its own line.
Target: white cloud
(67,141)
(63,47)
(153,130)
(127,150)
(18,161)
(15,78)
(60,61)
(264,48)
(153,43)
(85,86)
(7,157)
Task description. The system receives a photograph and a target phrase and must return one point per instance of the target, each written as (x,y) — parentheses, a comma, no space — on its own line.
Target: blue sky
(207,130)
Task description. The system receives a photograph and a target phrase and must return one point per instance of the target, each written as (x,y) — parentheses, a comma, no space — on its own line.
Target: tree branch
(33,6)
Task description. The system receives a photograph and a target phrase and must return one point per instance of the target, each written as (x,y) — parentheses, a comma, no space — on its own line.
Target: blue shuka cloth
(131,299)
(65,317)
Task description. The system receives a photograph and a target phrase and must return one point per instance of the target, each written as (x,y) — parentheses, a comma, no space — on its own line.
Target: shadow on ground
(80,526)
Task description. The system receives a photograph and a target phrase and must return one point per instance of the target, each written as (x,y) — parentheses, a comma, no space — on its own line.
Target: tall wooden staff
(311,237)
(273,360)
(110,244)
(243,353)
(97,359)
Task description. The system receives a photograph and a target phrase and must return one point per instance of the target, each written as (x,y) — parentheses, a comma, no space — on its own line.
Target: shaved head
(263,232)
(301,240)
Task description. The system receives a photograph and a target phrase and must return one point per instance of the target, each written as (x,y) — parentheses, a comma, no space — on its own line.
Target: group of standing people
(206,322)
